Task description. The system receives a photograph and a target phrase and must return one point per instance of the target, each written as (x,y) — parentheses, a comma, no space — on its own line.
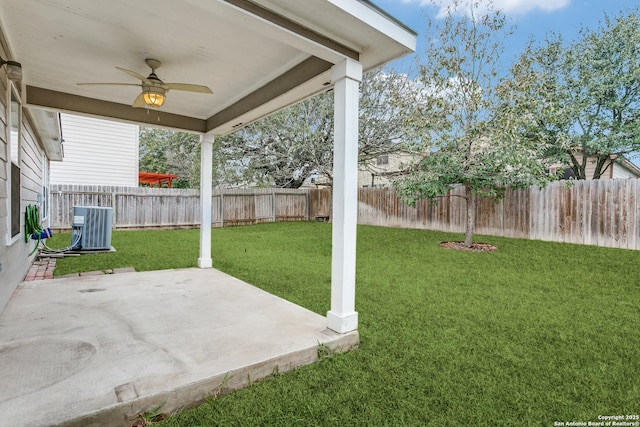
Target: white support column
(206,171)
(346,76)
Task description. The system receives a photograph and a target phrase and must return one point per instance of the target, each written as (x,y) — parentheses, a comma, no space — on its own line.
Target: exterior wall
(622,171)
(614,170)
(591,167)
(370,173)
(14,253)
(373,174)
(97,152)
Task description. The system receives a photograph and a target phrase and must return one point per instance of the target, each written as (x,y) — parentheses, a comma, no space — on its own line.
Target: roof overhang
(628,164)
(47,126)
(258,56)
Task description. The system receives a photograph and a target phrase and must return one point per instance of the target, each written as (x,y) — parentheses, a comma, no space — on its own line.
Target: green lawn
(534,333)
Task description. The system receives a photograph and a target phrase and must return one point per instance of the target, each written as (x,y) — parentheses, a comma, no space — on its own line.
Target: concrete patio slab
(98,350)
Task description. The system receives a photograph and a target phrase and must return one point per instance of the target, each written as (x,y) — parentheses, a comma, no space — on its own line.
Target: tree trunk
(578,169)
(471,216)
(600,166)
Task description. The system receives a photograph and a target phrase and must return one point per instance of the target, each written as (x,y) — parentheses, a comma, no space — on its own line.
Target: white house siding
(97,152)
(614,170)
(14,253)
(622,171)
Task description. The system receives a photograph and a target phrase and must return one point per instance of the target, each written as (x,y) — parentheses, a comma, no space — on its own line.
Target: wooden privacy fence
(602,212)
(135,207)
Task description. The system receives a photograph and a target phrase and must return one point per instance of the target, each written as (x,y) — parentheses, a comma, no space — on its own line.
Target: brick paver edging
(42,269)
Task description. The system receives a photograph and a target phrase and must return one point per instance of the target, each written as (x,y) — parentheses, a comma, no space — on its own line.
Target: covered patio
(257,57)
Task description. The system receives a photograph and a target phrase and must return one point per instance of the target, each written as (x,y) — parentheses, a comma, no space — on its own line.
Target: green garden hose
(32,225)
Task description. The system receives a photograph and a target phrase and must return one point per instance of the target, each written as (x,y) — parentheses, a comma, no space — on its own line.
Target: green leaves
(166,151)
(584,96)
(284,149)
(472,136)
(281,150)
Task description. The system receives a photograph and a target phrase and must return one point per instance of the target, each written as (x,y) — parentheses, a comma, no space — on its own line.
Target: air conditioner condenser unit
(91,228)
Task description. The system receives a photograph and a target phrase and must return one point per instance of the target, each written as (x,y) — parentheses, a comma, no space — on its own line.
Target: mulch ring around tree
(475,246)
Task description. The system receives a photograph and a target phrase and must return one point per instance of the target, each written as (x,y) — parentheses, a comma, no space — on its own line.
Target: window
(569,174)
(14,113)
(382,160)
(44,202)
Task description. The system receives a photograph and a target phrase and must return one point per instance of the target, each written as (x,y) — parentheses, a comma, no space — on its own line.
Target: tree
(166,151)
(281,150)
(286,148)
(471,139)
(587,93)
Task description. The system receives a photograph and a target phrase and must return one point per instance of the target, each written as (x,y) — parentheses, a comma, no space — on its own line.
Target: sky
(532,18)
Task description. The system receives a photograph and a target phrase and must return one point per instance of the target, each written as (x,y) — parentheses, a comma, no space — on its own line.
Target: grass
(534,333)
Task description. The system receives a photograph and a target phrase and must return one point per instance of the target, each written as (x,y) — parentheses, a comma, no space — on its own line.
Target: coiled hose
(32,225)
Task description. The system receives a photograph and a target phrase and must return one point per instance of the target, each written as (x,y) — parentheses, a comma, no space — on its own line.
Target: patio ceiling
(257,56)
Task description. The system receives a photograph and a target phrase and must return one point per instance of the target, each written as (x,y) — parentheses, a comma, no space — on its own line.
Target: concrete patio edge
(191,395)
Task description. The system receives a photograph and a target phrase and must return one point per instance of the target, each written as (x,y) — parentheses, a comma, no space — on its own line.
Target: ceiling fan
(154,90)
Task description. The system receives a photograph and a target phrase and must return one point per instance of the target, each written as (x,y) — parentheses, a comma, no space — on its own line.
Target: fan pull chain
(157,113)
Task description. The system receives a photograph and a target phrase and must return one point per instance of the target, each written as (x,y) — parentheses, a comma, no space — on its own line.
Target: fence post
(306,206)
(114,210)
(273,204)
(221,209)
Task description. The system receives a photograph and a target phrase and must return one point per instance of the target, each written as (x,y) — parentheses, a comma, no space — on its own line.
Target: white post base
(342,324)
(205,263)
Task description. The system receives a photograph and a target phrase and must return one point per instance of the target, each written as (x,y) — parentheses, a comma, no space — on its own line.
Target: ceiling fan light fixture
(153,97)
(154,90)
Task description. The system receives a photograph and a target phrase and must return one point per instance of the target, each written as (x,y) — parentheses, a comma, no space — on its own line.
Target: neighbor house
(29,139)
(381,171)
(97,152)
(617,167)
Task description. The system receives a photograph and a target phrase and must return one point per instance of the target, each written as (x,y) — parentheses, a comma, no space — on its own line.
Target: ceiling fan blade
(187,87)
(108,84)
(136,75)
(139,102)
